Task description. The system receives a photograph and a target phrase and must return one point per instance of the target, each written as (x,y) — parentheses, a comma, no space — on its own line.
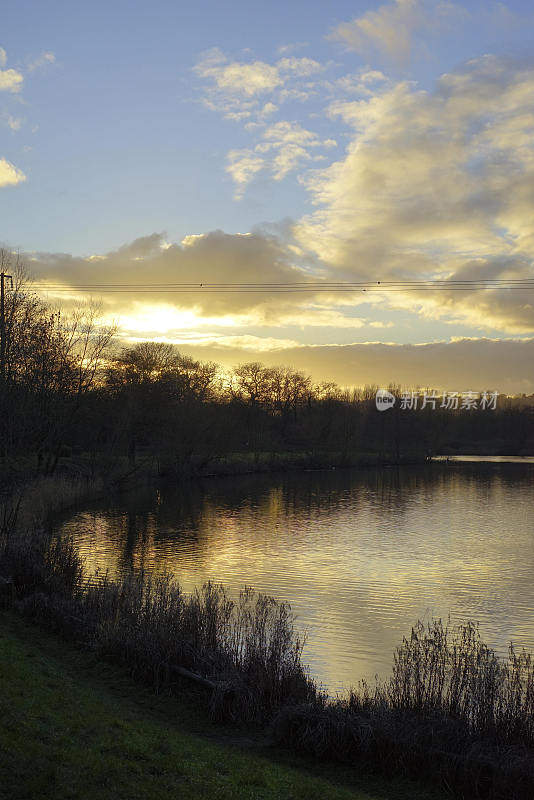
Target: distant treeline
(67,390)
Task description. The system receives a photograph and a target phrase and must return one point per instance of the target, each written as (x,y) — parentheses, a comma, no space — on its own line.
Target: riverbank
(250,463)
(73,726)
(487,448)
(120,471)
(452,713)
(28,498)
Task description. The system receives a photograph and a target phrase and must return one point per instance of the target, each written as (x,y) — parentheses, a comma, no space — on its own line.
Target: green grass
(73,727)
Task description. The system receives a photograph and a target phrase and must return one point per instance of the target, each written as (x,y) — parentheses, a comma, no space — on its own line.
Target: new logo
(384,400)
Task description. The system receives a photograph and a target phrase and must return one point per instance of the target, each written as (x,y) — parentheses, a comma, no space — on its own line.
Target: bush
(452,710)
(35,563)
(247,650)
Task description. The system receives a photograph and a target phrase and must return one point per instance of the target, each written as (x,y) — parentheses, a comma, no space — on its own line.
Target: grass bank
(452,712)
(75,727)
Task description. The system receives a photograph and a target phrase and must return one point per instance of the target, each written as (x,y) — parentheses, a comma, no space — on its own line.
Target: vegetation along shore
(451,712)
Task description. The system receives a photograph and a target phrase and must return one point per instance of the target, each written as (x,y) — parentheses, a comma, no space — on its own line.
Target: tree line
(68,389)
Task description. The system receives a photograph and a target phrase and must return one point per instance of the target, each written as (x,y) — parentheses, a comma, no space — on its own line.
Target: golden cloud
(9,174)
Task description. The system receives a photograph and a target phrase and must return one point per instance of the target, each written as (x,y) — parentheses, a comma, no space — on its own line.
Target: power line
(292,287)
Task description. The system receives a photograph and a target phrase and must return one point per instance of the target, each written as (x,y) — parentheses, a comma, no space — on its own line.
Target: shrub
(246,650)
(452,710)
(35,563)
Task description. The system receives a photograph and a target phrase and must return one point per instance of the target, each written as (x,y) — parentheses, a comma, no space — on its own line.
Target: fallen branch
(192,676)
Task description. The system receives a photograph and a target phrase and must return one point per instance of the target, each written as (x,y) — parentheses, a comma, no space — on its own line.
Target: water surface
(359,554)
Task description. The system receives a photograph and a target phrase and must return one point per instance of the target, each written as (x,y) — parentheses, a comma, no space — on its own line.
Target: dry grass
(43,496)
(452,710)
(248,649)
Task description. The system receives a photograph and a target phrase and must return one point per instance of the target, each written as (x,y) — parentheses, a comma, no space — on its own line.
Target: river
(359,554)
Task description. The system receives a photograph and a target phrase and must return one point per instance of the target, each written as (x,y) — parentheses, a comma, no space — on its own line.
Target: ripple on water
(360,555)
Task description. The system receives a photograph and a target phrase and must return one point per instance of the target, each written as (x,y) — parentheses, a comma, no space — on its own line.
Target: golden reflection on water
(360,555)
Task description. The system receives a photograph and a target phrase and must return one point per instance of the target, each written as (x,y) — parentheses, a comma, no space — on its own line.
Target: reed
(452,711)
(36,500)
(246,649)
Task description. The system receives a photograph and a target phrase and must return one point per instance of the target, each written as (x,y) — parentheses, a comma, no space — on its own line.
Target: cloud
(463,365)
(231,326)
(363,83)
(248,346)
(249,78)
(241,78)
(45,59)
(290,145)
(284,147)
(214,257)
(10,80)
(9,174)
(433,184)
(436,184)
(391,30)
(299,66)
(14,123)
(284,49)
(239,90)
(3,57)
(268,109)
(243,166)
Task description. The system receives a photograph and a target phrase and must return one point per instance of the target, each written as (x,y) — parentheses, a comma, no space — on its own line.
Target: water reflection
(359,554)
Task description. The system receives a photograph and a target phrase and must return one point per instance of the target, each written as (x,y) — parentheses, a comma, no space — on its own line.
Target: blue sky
(319,127)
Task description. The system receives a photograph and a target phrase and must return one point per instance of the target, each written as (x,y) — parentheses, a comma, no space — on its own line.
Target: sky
(249,142)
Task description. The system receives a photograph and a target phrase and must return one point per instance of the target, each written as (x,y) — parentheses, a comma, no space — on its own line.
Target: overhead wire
(295,286)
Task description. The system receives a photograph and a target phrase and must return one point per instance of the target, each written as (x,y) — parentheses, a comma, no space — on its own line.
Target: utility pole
(3,277)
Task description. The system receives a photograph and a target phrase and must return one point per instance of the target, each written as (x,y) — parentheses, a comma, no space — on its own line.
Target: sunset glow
(378,142)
